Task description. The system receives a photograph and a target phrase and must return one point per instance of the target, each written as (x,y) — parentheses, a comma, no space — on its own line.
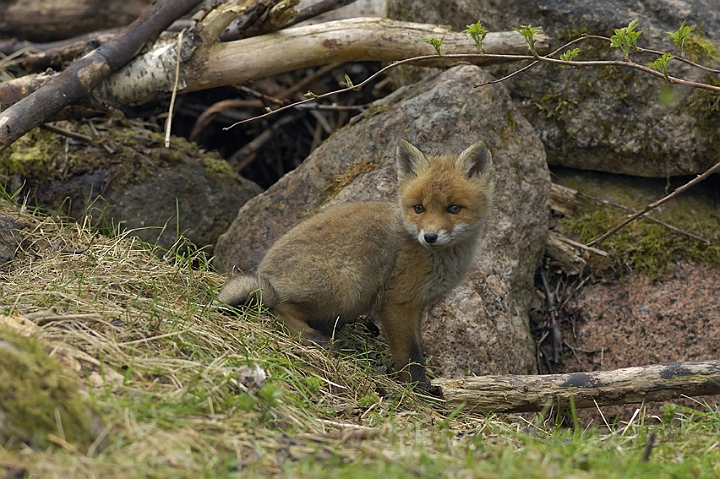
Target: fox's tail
(245,289)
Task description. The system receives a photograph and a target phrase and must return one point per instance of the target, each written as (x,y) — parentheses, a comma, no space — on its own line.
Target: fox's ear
(476,161)
(410,160)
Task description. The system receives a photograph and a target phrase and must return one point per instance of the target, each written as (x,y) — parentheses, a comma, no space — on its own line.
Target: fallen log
(659,382)
(49,20)
(215,64)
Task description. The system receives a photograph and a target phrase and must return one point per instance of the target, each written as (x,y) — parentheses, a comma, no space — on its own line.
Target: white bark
(359,39)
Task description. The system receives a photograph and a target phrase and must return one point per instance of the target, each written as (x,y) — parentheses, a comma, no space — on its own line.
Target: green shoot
(569,55)
(678,37)
(310,94)
(626,38)
(435,42)
(660,64)
(528,33)
(478,34)
(347,82)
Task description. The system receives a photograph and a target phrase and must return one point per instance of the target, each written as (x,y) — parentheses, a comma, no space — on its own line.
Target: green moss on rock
(38,400)
(31,154)
(643,245)
(701,49)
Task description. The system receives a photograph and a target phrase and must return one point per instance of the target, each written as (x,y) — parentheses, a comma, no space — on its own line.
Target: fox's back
(338,260)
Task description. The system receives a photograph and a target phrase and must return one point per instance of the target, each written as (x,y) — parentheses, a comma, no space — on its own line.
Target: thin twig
(628,64)
(652,206)
(659,53)
(567,240)
(260,96)
(554,327)
(655,220)
(68,133)
(527,67)
(322,71)
(535,56)
(333,107)
(372,77)
(573,351)
(168,123)
(508,76)
(245,155)
(209,114)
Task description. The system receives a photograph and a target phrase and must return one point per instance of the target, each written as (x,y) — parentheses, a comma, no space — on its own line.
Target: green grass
(175,381)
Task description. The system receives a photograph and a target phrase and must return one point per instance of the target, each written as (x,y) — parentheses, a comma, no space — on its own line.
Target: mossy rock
(644,245)
(40,405)
(127,179)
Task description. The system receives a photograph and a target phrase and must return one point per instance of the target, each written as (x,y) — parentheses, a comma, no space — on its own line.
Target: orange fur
(379,257)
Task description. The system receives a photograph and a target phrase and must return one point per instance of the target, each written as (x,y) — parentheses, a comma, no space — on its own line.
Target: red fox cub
(386,259)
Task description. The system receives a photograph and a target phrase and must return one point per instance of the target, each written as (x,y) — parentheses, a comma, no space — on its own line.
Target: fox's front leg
(402,323)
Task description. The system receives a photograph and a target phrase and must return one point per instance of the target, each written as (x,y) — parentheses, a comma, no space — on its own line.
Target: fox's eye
(454,209)
(418,208)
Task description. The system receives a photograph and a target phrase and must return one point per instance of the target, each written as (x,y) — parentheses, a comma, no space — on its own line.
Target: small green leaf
(570,54)
(478,34)
(661,63)
(435,42)
(626,38)
(270,394)
(678,37)
(528,33)
(347,83)
(310,94)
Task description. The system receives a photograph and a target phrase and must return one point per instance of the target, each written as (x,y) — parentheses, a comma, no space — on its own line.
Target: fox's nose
(430,237)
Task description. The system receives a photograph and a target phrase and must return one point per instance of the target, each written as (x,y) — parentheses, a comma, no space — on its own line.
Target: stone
(10,238)
(482,326)
(136,183)
(608,119)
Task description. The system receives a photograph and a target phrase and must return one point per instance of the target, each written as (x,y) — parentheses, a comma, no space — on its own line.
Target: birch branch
(660,382)
(82,76)
(359,39)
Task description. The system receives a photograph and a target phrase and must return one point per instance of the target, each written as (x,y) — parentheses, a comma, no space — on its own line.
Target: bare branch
(316,9)
(652,206)
(645,216)
(357,39)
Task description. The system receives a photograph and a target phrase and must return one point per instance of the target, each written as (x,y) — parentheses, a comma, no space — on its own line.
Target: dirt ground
(635,321)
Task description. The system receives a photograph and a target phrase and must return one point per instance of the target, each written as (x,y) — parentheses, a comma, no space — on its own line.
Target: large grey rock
(606,119)
(482,327)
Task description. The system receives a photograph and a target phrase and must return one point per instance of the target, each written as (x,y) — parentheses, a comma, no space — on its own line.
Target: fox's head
(444,199)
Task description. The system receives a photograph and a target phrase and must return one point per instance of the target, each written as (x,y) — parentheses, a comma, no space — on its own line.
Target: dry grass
(176,389)
(180,386)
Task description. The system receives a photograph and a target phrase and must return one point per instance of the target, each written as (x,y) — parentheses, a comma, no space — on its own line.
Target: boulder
(482,326)
(127,178)
(608,119)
